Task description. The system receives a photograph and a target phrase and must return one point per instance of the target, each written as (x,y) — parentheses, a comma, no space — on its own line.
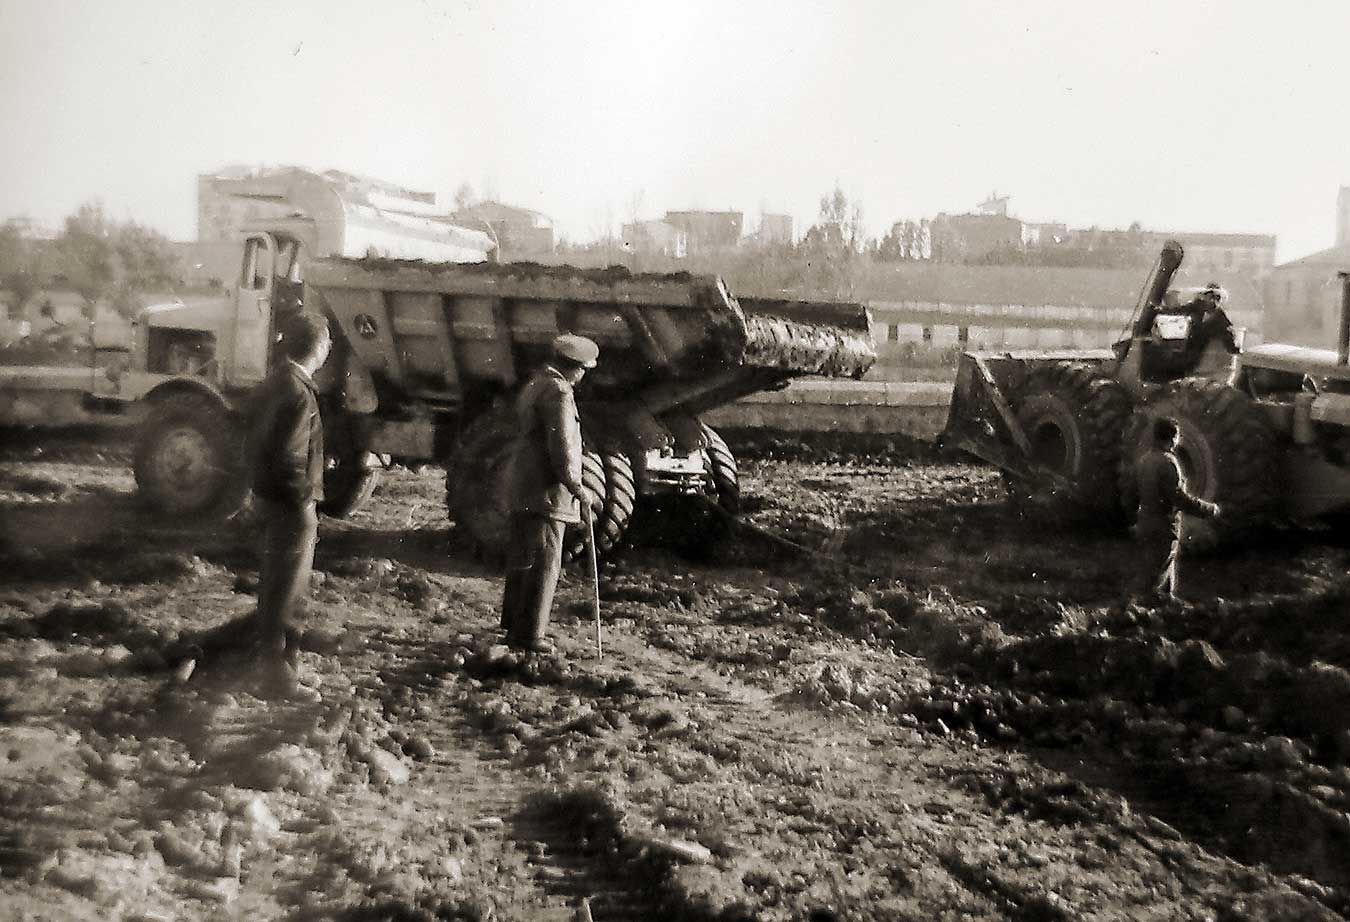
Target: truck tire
(608,479)
(594,482)
(349,480)
(476,491)
(475,483)
(1227,452)
(620,498)
(187,459)
(722,472)
(1074,418)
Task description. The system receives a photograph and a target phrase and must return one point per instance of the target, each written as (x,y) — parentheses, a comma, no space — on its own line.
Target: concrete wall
(917,409)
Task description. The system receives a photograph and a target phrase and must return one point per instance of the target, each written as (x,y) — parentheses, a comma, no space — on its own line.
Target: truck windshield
(258,265)
(288,260)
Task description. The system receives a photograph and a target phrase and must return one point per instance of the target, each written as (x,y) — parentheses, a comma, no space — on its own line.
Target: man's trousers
(533,564)
(1159,546)
(288,557)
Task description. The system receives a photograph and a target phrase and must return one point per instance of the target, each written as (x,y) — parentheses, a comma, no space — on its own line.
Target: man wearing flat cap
(545,491)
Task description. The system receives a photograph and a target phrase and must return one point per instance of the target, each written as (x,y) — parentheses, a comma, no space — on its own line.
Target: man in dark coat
(1162,498)
(545,491)
(1210,323)
(286,451)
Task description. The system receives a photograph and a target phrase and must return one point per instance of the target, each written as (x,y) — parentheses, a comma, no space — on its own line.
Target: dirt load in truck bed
(941,712)
(800,337)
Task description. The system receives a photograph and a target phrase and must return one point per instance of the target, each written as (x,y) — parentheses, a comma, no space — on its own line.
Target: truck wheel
(620,497)
(187,460)
(475,483)
(476,491)
(720,464)
(349,480)
(1227,453)
(1074,417)
(608,480)
(593,481)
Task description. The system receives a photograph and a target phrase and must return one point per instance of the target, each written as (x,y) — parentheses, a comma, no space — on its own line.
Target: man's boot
(278,678)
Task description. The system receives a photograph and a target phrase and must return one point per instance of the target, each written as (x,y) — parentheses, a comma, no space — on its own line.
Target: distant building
(520,232)
(1303,299)
(655,238)
(970,237)
(994,205)
(1045,233)
(774,230)
(235,197)
(708,231)
(1250,254)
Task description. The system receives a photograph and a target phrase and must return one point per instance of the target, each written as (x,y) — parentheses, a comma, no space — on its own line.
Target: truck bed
(445,332)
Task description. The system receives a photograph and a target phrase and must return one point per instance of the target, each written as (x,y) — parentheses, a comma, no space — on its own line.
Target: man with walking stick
(546,494)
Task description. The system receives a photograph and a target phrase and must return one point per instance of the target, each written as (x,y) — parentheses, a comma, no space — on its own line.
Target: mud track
(937,711)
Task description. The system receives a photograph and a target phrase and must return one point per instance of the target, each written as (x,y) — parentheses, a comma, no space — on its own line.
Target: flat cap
(576,349)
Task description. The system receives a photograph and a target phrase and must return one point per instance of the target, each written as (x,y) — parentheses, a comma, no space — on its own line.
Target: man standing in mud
(286,451)
(544,481)
(1162,498)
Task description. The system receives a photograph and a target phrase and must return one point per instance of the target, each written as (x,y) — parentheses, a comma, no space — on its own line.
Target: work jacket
(1163,493)
(546,454)
(286,438)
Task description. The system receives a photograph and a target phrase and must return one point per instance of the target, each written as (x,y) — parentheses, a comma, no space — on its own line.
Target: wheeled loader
(1265,432)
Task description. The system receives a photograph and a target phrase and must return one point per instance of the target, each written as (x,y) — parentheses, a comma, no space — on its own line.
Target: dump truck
(224,336)
(427,357)
(1265,432)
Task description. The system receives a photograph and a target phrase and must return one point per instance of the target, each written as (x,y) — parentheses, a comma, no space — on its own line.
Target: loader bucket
(982,421)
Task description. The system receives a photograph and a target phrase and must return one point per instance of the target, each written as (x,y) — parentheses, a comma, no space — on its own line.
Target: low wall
(917,409)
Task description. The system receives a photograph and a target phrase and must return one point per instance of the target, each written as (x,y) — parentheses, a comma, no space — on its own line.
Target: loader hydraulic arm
(1169,260)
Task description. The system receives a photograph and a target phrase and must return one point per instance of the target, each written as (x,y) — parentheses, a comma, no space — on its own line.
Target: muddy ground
(939,712)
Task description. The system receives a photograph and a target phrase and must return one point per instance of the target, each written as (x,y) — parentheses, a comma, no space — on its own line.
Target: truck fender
(358,389)
(187,386)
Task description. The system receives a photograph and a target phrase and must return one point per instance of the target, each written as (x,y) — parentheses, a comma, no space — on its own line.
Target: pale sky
(1183,115)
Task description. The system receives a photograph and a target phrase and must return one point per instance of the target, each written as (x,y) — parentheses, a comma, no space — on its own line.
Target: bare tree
(838,228)
(465,197)
(833,245)
(635,206)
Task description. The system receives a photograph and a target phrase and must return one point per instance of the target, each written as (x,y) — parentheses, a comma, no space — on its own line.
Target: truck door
(253,311)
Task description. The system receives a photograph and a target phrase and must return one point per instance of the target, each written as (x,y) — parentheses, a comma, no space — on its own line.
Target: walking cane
(595,580)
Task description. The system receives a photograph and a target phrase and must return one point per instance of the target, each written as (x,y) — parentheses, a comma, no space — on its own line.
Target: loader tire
(1227,452)
(187,460)
(1074,417)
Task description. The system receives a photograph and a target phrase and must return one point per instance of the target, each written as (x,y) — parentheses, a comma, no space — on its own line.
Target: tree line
(101,259)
